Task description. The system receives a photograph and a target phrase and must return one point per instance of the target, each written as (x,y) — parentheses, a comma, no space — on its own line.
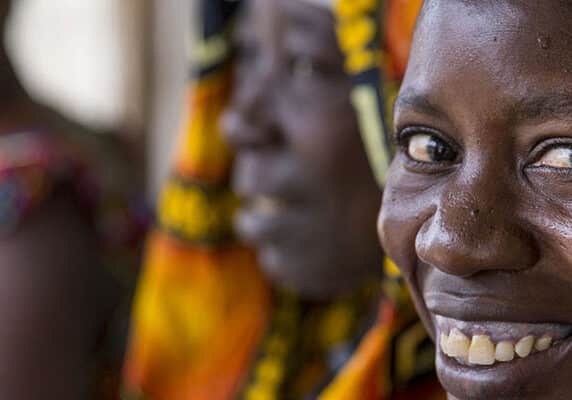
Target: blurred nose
(250,119)
(475,228)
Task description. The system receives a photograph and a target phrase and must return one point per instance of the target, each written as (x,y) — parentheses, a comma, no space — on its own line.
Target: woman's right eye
(428,148)
(301,67)
(558,157)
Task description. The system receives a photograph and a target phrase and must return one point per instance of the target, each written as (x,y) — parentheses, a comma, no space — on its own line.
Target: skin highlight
(297,141)
(477,206)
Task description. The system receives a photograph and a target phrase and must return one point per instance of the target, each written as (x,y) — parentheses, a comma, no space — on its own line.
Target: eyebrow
(530,108)
(298,21)
(539,108)
(418,102)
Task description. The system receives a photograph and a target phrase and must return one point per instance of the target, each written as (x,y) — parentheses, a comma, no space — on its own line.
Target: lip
(277,176)
(518,379)
(503,380)
(481,308)
(255,225)
(258,225)
(274,175)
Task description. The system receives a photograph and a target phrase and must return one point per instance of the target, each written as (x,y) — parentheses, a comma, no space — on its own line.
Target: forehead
(270,17)
(501,47)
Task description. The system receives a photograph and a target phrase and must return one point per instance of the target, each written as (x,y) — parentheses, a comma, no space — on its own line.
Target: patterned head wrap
(202,297)
(376,50)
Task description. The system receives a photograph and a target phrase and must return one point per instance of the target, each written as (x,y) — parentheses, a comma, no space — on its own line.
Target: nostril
(243,131)
(464,247)
(234,128)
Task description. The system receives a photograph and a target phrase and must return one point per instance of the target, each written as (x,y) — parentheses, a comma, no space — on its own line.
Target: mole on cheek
(544,42)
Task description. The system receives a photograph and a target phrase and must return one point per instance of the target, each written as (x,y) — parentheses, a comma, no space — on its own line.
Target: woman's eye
(428,148)
(308,67)
(556,157)
(303,67)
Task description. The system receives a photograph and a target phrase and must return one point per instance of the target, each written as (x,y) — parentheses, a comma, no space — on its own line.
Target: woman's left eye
(302,67)
(556,157)
(307,67)
(428,148)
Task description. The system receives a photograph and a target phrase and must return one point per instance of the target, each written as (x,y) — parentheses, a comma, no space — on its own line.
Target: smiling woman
(477,210)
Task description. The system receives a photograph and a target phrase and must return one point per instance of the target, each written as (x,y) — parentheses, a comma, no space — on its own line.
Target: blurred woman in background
(215,321)
(64,220)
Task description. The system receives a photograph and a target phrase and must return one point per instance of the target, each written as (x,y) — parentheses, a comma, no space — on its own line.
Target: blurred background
(117,66)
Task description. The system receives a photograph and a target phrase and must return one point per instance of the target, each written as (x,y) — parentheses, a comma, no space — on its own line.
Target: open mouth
(479,343)
(265,205)
(263,218)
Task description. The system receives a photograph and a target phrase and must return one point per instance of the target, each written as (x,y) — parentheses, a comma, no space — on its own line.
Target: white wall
(83,56)
(171,19)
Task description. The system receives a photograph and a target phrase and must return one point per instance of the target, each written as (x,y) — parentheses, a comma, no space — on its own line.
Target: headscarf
(202,296)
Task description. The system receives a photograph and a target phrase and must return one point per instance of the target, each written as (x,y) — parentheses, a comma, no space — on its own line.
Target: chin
(299,273)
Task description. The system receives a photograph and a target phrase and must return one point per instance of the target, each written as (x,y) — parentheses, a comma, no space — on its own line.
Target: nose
(475,228)
(250,118)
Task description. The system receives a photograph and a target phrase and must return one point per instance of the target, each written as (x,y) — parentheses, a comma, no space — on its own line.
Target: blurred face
(477,210)
(308,194)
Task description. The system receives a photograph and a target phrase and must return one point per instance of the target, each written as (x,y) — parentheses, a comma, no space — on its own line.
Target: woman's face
(477,209)
(309,196)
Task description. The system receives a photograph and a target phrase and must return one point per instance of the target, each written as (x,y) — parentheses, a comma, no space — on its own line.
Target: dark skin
(477,206)
(309,195)
(55,296)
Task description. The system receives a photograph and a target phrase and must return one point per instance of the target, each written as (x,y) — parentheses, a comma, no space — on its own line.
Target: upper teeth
(480,349)
(266,205)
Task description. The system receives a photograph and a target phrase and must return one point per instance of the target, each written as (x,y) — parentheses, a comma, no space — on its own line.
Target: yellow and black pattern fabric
(202,304)
(359,37)
(375,36)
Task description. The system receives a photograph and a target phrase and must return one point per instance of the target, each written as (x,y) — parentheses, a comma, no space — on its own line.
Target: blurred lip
(264,204)
(263,218)
(274,195)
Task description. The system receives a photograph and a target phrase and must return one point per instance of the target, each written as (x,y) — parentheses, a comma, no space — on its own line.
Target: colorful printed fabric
(206,323)
(202,304)
(34,164)
(27,165)
(376,51)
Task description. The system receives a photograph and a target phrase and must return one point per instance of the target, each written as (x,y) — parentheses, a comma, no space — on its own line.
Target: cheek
(400,220)
(329,141)
(397,229)
(403,214)
(555,233)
